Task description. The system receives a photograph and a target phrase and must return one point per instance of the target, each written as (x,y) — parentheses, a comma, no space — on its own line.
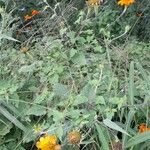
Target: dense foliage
(76,70)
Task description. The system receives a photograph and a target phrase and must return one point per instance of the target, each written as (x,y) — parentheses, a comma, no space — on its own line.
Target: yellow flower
(48,142)
(125,2)
(74,137)
(93,2)
(37,128)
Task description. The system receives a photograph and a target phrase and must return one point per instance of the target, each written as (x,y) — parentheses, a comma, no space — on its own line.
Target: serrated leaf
(5,128)
(36,110)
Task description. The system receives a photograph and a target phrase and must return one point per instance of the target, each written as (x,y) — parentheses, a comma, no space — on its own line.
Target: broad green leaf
(57,115)
(79,59)
(100,100)
(60,90)
(42,96)
(114,126)
(72,52)
(88,91)
(80,99)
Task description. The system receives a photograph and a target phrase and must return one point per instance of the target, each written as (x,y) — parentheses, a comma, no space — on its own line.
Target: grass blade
(11,118)
(142,137)
(131,83)
(128,123)
(102,137)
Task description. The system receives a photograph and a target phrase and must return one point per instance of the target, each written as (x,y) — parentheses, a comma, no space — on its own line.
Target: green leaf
(128,123)
(72,52)
(12,119)
(57,115)
(139,138)
(88,91)
(100,100)
(27,68)
(102,138)
(5,128)
(42,96)
(60,90)
(3,36)
(36,110)
(114,126)
(59,131)
(79,59)
(145,76)
(80,99)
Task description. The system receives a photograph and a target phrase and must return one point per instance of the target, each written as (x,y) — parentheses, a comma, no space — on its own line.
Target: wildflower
(35,12)
(48,142)
(125,2)
(27,17)
(37,128)
(74,137)
(93,2)
(24,49)
(143,128)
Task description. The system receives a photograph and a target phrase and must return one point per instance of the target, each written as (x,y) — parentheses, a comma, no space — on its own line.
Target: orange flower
(35,12)
(143,128)
(125,2)
(27,17)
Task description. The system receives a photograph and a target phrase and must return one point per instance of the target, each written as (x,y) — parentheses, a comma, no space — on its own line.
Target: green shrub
(72,68)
